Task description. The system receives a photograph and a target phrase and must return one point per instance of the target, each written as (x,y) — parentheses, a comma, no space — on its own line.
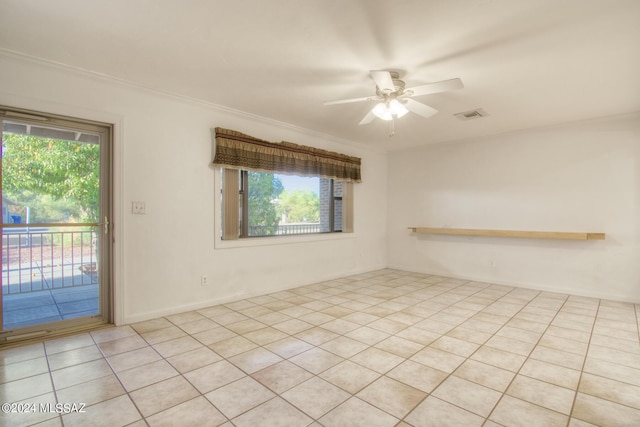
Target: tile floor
(386,348)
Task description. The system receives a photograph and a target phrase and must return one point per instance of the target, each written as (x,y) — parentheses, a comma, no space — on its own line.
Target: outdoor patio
(48,276)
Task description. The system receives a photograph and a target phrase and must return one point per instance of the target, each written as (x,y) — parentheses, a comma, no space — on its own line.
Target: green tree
(66,171)
(264,190)
(300,206)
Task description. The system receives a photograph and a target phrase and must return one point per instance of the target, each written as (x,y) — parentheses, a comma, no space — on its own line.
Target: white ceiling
(528,63)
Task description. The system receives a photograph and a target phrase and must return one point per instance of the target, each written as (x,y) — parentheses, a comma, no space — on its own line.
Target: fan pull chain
(392,128)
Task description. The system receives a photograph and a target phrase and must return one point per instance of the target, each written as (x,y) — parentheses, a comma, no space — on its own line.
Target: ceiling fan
(393,99)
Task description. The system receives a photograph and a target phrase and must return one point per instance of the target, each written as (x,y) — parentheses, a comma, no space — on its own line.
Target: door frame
(106,242)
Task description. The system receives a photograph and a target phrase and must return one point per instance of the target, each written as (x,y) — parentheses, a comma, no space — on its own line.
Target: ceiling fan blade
(383,80)
(368,118)
(420,109)
(347,101)
(437,87)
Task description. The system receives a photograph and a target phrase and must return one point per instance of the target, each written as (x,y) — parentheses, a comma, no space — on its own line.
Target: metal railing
(39,259)
(284,229)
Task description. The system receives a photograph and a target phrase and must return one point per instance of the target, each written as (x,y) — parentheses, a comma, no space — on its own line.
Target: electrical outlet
(204,280)
(138,208)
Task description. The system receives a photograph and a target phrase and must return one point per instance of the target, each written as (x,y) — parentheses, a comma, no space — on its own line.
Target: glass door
(56,242)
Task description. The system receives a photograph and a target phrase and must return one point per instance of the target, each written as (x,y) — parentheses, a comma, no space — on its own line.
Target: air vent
(471,114)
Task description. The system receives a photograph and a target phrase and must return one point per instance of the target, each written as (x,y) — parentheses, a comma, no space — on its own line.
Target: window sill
(283,240)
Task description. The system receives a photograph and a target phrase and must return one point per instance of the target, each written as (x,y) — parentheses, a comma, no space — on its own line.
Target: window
(276,189)
(270,204)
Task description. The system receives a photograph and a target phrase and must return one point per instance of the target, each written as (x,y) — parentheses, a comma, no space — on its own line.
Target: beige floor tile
(558,357)
(541,393)
(214,311)
(245,326)
(163,395)
(164,334)
(198,326)
(388,325)
(316,360)
(16,391)
(66,377)
(193,359)
(282,376)
(145,375)
(232,346)
(110,334)
(418,335)
(392,396)
(288,347)
(34,416)
(616,343)
(316,335)
(438,359)
(228,318)
(367,335)
(187,317)
(344,347)
(27,368)
(195,412)
(349,376)
(377,360)
(528,325)
(455,346)
(615,391)
(255,360)
(131,359)
(481,326)
(468,395)
(151,325)
(68,343)
(564,344)
(315,397)
(92,392)
(571,334)
(240,396)
(265,336)
(177,346)
(551,373)
(277,411)
(21,354)
(399,346)
(417,375)
(631,360)
(518,413)
(574,422)
(360,318)
(122,345)
(487,375)
(603,412)
(340,326)
(118,411)
(214,335)
(213,376)
(357,413)
(435,326)
(611,370)
(613,332)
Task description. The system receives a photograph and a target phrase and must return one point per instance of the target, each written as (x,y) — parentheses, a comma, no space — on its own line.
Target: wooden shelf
(510,233)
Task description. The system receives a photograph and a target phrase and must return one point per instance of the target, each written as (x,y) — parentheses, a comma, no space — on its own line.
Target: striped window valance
(237,150)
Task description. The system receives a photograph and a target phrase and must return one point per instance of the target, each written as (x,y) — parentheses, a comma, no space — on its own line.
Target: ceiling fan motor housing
(398,84)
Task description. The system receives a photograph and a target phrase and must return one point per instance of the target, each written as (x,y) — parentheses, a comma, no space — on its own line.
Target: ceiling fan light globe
(382,111)
(397,108)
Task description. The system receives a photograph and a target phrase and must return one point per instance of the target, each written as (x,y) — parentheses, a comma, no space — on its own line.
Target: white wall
(576,177)
(163,152)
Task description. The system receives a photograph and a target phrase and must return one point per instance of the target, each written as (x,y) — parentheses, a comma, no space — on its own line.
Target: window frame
(221,216)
